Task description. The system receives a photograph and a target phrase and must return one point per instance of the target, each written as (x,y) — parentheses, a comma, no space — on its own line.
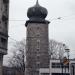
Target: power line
(13,39)
(16,20)
(60,18)
(70,17)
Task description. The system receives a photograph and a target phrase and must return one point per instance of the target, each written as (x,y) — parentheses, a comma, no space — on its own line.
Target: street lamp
(67,51)
(61,59)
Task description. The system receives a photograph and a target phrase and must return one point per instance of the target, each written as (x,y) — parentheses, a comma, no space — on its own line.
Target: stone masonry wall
(37,48)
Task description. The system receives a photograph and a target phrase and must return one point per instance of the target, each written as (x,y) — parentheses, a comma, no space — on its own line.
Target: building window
(5,1)
(38,54)
(4,18)
(56,65)
(38,50)
(38,44)
(0,22)
(38,64)
(38,32)
(38,58)
(38,47)
(38,28)
(4,42)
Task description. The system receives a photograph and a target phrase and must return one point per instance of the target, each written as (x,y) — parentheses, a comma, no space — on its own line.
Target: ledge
(37,21)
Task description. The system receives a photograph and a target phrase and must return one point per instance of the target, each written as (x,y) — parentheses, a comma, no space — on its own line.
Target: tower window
(6,25)
(1,9)
(38,34)
(6,7)
(38,58)
(38,64)
(38,44)
(0,22)
(38,49)
(38,54)
(38,31)
(38,27)
(30,29)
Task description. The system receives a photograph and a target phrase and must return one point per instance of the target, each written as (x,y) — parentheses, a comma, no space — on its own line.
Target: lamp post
(61,60)
(67,51)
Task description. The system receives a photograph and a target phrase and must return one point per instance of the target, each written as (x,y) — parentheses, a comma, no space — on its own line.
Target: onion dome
(37,12)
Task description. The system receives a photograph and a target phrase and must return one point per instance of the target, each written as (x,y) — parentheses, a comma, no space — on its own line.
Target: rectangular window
(4,42)
(38,64)
(38,58)
(38,44)
(58,65)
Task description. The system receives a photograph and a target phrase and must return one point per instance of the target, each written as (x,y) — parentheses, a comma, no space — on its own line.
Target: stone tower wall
(37,48)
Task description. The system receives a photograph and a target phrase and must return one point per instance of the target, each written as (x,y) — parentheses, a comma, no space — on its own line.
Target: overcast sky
(60,30)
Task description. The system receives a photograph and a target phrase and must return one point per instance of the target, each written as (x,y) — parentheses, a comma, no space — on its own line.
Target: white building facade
(57,69)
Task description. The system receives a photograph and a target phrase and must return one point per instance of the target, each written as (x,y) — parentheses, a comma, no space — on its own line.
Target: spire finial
(37,2)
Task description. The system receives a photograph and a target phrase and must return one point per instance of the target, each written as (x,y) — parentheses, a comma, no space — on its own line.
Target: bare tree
(17,60)
(56,49)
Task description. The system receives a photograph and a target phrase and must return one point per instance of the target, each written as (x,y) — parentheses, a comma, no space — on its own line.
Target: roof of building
(37,12)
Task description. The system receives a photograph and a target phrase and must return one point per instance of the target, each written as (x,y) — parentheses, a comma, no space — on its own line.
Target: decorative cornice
(44,22)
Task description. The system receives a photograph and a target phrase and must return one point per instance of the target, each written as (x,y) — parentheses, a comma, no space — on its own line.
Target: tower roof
(37,12)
